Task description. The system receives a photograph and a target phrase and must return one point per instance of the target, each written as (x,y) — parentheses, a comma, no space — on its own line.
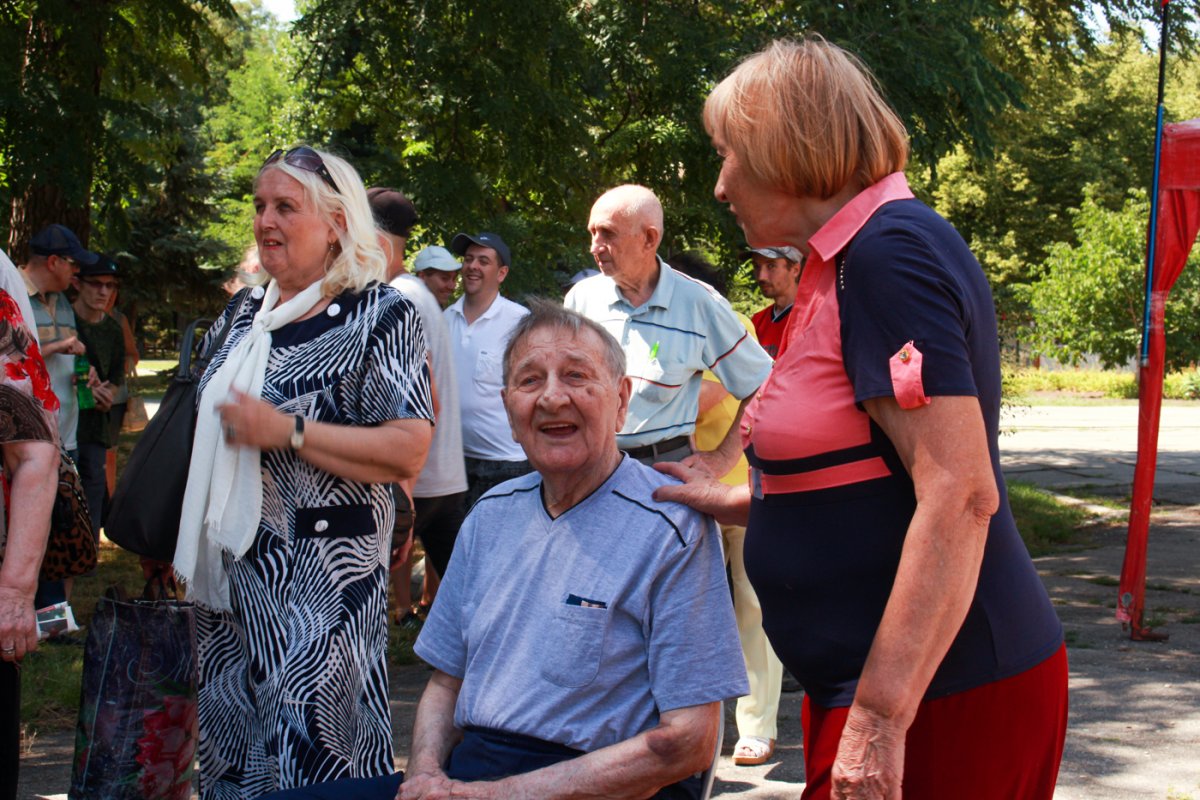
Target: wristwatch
(297,440)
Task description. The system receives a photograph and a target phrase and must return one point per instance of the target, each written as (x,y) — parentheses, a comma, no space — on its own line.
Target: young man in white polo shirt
(480,324)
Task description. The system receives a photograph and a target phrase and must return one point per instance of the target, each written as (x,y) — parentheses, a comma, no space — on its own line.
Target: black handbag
(144,514)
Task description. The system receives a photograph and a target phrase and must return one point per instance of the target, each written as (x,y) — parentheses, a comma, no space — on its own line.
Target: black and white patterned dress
(293,681)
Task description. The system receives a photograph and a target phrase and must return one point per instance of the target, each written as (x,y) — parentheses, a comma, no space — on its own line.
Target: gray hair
(547,314)
(360,260)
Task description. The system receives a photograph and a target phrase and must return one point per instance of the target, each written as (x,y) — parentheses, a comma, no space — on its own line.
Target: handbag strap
(189,340)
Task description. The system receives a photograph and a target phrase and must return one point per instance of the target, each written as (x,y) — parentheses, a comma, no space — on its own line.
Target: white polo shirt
(683,329)
(479,363)
(444,472)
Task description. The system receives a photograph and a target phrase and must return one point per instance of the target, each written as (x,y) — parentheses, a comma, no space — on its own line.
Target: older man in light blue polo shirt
(671,328)
(583,637)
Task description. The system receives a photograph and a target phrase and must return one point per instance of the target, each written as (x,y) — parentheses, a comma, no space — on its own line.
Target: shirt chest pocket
(487,369)
(331,522)
(574,645)
(661,379)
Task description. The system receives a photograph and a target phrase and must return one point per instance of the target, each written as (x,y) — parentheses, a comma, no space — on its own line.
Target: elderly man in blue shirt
(671,327)
(583,636)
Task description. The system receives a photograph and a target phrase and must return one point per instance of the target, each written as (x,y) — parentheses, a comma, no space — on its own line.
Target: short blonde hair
(808,118)
(360,261)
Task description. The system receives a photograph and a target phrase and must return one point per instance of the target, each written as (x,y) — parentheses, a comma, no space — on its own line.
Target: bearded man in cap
(777,273)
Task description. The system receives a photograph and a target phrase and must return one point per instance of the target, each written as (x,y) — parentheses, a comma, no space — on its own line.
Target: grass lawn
(1045,524)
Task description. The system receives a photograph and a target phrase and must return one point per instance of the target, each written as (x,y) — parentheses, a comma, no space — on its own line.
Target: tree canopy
(142,123)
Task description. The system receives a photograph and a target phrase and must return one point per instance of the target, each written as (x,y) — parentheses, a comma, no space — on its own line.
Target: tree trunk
(51,168)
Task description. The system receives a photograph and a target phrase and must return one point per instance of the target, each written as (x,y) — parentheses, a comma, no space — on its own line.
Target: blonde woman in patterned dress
(316,402)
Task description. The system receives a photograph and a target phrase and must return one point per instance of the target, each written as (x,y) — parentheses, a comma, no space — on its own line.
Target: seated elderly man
(583,634)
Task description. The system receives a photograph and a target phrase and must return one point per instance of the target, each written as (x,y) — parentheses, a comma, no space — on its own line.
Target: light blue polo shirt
(683,329)
(581,630)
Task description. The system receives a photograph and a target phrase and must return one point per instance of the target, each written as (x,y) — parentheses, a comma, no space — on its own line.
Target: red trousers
(999,741)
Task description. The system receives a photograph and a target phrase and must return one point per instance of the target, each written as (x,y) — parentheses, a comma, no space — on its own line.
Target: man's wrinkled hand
(426,786)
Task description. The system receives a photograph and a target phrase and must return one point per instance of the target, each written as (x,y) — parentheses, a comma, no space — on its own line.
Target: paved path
(1134,728)
(1095,447)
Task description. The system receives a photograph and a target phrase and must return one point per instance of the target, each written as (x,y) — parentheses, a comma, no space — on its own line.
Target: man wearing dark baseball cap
(55,255)
(105,341)
(395,215)
(61,241)
(480,323)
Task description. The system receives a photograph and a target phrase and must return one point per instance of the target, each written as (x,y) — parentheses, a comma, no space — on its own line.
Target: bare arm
(391,452)
(33,467)
(944,448)
(71,346)
(711,394)
(434,736)
(718,462)
(682,744)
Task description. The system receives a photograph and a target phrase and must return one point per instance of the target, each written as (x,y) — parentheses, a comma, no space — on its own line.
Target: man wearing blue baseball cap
(55,256)
(480,324)
(105,341)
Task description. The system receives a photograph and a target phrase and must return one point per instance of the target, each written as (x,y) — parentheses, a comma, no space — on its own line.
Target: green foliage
(101,119)
(1022,383)
(1085,119)
(150,118)
(1089,299)
(514,117)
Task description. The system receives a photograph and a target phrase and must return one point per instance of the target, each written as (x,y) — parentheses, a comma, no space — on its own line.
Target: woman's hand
(870,758)
(251,422)
(730,505)
(18,624)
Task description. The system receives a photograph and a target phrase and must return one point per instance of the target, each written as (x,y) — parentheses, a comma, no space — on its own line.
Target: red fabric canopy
(1178,222)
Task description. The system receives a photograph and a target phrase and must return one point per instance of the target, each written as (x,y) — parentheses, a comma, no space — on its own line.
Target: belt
(657,448)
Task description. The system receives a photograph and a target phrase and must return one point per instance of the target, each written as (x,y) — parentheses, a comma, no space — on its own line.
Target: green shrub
(1098,383)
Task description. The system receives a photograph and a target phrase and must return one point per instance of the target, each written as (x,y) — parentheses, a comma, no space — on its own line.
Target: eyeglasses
(304,158)
(108,285)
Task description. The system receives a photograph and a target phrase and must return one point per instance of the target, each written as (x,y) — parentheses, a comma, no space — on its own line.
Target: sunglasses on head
(304,158)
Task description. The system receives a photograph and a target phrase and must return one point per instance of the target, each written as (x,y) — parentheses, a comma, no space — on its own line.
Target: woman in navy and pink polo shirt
(880,542)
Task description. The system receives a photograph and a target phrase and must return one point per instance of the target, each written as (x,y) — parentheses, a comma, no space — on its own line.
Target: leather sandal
(752,750)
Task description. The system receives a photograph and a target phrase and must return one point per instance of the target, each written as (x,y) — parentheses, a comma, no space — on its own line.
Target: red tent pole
(1132,590)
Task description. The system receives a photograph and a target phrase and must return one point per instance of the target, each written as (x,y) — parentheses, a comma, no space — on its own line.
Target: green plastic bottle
(82,391)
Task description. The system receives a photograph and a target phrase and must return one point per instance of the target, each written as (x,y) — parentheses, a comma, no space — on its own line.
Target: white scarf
(223,502)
